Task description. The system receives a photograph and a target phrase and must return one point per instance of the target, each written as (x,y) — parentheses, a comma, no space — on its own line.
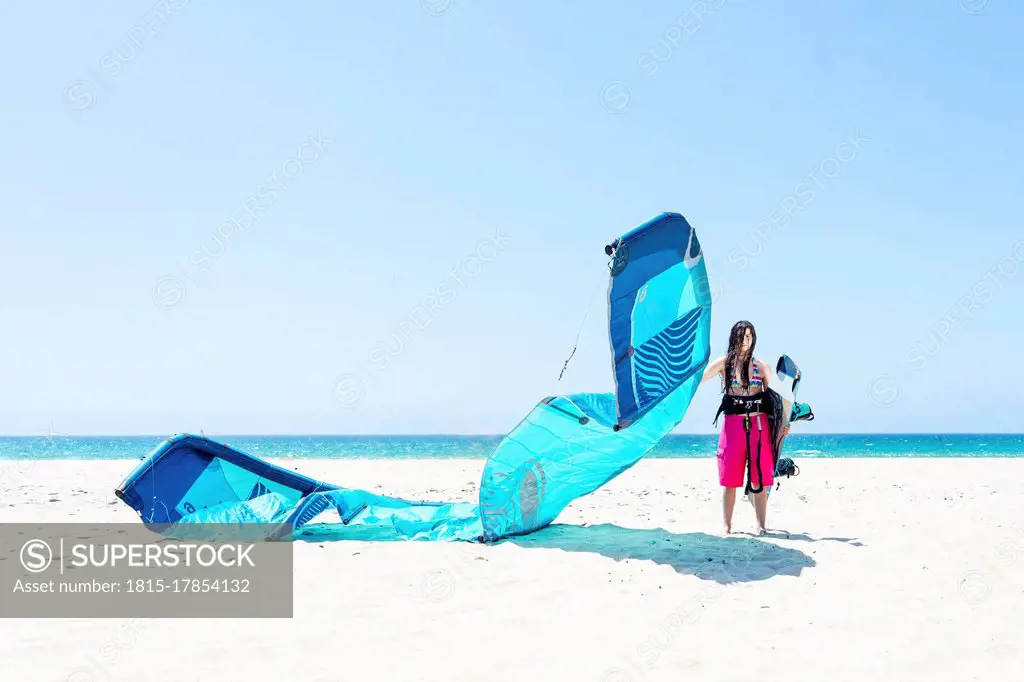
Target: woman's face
(748,340)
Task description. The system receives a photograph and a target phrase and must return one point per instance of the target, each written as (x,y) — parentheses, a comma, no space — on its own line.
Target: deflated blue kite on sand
(659,312)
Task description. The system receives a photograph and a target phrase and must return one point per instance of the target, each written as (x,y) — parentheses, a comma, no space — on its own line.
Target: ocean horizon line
(479,446)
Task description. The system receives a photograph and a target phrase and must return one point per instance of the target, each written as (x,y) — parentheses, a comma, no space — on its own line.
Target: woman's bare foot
(762,531)
(726,530)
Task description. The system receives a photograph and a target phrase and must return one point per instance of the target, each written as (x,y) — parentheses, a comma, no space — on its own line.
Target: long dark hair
(734,359)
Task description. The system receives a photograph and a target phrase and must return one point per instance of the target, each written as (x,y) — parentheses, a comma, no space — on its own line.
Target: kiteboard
(782,391)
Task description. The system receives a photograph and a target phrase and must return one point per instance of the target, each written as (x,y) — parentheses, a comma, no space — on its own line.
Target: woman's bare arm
(713,369)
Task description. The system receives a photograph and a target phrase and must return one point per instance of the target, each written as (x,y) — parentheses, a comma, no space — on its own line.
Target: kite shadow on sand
(709,557)
(719,559)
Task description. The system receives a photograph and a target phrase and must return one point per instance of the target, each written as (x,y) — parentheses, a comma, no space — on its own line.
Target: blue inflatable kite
(566,447)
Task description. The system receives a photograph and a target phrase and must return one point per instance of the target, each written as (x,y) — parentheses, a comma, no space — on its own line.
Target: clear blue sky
(126,148)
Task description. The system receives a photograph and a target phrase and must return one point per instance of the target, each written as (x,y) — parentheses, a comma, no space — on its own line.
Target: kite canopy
(660,313)
(566,447)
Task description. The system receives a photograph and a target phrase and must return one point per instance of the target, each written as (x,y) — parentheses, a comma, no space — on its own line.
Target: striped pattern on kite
(665,360)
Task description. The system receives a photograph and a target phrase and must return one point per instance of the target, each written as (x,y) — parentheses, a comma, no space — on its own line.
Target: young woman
(745,444)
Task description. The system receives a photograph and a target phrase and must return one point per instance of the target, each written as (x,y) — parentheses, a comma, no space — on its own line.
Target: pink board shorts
(732,452)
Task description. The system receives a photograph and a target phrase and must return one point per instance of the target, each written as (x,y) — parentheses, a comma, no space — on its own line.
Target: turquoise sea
(448,447)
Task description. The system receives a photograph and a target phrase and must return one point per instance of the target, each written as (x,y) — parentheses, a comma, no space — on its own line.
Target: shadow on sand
(709,557)
(780,534)
(722,560)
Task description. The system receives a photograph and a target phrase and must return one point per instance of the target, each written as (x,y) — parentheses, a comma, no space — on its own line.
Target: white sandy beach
(891,570)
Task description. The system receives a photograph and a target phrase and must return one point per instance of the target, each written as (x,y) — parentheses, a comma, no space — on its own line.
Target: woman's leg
(767,467)
(728,504)
(761,509)
(731,459)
